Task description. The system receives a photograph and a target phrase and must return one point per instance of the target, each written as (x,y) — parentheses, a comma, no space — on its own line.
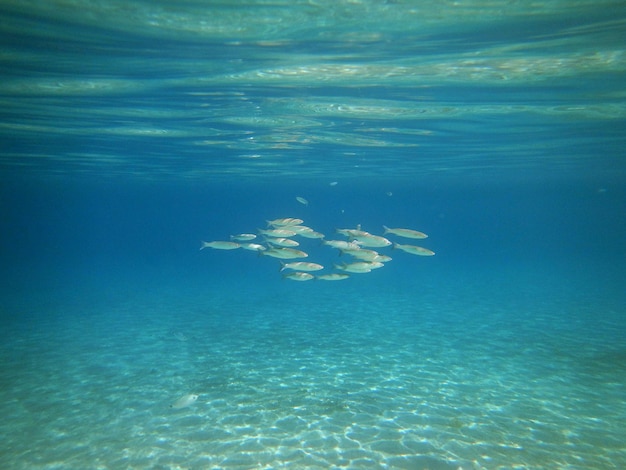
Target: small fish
(285,221)
(277,233)
(359,267)
(300,229)
(414,250)
(243,237)
(253,247)
(371,241)
(284,253)
(180,336)
(301,266)
(277,241)
(405,232)
(184,401)
(333,277)
(342,245)
(311,234)
(353,232)
(367,255)
(220,245)
(301,200)
(299,276)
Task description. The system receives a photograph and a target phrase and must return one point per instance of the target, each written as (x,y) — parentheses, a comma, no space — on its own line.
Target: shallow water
(132,131)
(442,372)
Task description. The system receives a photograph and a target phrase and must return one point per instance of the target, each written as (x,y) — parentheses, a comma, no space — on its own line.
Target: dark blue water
(132,132)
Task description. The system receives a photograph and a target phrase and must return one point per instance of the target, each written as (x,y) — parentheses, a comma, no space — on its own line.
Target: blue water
(131,132)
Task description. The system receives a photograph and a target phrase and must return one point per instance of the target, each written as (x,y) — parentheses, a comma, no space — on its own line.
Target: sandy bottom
(368,382)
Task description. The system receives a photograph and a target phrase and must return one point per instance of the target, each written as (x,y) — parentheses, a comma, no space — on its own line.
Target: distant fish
(277,232)
(302,266)
(304,231)
(301,200)
(220,245)
(414,250)
(353,232)
(405,232)
(253,247)
(284,253)
(332,277)
(278,241)
(180,336)
(284,221)
(299,276)
(367,255)
(243,237)
(333,183)
(184,401)
(311,234)
(371,241)
(342,245)
(360,266)
(299,229)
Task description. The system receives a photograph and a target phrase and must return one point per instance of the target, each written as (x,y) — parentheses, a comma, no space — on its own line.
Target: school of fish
(279,241)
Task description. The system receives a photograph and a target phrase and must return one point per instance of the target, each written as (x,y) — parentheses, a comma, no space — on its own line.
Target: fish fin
(386,229)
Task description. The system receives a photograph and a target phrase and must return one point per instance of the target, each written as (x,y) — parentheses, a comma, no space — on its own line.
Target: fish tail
(203,245)
(386,229)
(282,266)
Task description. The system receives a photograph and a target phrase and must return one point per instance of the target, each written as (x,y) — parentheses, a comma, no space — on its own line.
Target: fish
(342,245)
(220,245)
(243,237)
(414,250)
(299,276)
(180,336)
(299,229)
(277,232)
(311,234)
(359,267)
(284,253)
(253,247)
(333,277)
(302,266)
(184,401)
(277,241)
(367,255)
(405,232)
(371,241)
(301,200)
(352,232)
(285,221)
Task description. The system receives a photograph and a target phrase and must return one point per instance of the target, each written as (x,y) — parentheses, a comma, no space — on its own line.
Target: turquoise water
(133,131)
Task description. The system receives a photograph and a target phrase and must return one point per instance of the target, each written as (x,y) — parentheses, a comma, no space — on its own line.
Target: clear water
(131,131)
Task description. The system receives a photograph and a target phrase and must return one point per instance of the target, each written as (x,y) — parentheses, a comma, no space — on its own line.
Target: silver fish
(277,241)
(284,253)
(302,266)
(220,245)
(414,250)
(405,232)
(333,277)
(299,276)
(277,232)
(184,401)
(243,237)
(284,222)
